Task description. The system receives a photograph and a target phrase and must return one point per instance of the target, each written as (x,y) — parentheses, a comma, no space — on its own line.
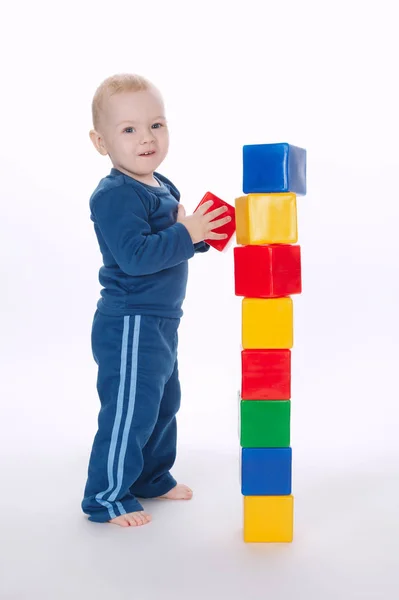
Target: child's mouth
(150,153)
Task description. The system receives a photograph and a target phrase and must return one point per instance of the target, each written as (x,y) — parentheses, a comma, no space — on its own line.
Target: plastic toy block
(266,219)
(266,471)
(267,271)
(229,228)
(274,168)
(268,518)
(265,424)
(266,374)
(267,324)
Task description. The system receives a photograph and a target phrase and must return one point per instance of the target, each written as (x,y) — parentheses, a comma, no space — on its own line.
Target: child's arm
(122,218)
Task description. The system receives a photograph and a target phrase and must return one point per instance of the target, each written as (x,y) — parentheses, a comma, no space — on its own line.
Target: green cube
(265,423)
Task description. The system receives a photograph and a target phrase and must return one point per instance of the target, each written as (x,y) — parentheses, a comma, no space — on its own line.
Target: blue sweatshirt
(145,251)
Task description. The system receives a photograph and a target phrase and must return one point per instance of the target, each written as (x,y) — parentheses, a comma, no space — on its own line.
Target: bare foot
(133,519)
(179,492)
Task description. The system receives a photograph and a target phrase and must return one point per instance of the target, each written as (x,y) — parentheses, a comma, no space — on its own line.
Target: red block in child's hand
(229,228)
(266,374)
(268,271)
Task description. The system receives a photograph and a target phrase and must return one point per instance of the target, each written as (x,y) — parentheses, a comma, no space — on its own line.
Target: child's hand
(199,224)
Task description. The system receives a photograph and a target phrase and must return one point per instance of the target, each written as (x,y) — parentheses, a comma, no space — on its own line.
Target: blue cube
(266,471)
(274,168)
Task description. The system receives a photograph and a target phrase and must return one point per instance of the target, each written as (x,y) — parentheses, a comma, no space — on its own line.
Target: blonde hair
(124,82)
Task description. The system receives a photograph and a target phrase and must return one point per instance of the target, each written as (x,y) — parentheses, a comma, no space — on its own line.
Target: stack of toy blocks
(267,270)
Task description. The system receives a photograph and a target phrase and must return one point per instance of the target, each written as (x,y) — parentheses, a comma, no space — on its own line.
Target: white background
(321,75)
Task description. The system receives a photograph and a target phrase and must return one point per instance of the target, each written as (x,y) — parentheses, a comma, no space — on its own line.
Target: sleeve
(123,221)
(201,247)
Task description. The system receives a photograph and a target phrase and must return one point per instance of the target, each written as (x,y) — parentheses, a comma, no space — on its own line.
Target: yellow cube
(267,323)
(268,518)
(266,219)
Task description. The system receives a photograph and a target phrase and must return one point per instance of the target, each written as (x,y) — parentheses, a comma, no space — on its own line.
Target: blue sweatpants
(139,390)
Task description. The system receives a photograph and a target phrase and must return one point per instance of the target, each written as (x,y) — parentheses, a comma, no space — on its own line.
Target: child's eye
(128,130)
(157,125)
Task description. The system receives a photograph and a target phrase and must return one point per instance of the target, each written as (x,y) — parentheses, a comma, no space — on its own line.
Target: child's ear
(98,142)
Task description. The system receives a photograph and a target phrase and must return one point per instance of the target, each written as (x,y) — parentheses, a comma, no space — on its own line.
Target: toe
(145,518)
(131,520)
(188,492)
(141,518)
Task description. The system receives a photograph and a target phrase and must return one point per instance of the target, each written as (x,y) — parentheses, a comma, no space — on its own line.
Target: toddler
(146,240)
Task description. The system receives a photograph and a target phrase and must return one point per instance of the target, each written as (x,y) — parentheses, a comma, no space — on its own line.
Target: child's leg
(159,453)
(134,363)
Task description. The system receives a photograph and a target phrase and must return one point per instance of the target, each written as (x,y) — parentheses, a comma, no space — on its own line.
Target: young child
(146,240)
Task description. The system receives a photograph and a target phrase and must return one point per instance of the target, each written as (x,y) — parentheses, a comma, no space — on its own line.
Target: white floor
(346,537)
(345,479)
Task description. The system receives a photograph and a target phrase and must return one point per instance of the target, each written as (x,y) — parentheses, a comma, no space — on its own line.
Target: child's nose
(148,136)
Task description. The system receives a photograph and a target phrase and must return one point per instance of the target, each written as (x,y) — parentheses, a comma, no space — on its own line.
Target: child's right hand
(199,224)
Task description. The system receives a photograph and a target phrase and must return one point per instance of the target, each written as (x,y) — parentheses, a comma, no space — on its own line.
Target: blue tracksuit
(134,341)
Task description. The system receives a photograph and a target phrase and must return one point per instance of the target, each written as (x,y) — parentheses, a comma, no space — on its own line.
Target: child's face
(133,124)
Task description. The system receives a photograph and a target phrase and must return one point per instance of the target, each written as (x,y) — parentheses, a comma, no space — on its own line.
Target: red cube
(266,374)
(267,271)
(229,228)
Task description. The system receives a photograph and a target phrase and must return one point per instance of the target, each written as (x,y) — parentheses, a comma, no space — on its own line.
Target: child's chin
(148,168)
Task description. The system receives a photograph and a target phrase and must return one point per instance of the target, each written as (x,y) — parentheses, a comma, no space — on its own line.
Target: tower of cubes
(267,272)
